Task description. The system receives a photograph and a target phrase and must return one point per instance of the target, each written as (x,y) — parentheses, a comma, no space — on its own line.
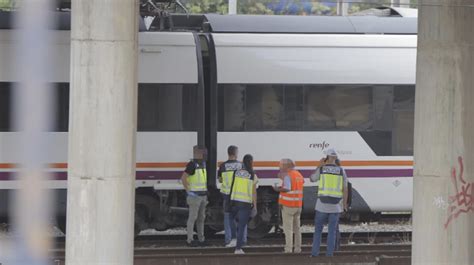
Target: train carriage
(275,86)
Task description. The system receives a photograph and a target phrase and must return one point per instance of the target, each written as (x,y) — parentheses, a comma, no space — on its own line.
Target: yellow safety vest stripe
(198,181)
(226,181)
(331,185)
(242,190)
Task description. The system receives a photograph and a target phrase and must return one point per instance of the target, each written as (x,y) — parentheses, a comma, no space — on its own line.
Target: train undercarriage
(164,209)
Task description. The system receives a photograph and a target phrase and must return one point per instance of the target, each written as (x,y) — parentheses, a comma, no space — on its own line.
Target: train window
(260,107)
(339,108)
(318,112)
(383,105)
(403,120)
(5,99)
(62,107)
(264,107)
(382,114)
(161,107)
(61,110)
(232,108)
(294,107)
(166,107)
(403,132)
(404,97)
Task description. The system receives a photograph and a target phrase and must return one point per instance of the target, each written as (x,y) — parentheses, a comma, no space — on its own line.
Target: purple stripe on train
(351,173)
(6,175)
(173,175)
(54,175)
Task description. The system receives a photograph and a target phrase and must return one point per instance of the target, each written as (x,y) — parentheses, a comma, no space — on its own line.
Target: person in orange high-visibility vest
(291,201)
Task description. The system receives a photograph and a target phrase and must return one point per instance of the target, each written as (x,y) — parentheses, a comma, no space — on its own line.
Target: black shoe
(192,244)
(203,244)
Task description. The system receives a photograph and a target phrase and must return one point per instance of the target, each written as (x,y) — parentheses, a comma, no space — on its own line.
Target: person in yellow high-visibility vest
(332,189)
(194,180)
(226,174)
(243,200)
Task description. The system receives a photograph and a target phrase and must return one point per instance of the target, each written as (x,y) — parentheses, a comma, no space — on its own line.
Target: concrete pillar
(232,7)
(443,213)
(102,129)
(342,8)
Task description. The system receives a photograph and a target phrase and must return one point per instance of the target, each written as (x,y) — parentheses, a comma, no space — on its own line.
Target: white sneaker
(232,244)
(239,252)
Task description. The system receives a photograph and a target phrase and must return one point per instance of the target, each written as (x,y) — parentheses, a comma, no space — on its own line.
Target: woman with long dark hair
(243,199)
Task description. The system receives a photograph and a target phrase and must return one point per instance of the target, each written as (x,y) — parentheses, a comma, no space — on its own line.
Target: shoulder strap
(232,185)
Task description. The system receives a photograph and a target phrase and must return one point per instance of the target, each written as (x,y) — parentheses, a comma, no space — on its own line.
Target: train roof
(312,24)
(62,19)
(259,24)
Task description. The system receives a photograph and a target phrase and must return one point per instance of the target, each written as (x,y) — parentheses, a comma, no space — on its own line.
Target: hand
(254,212)
(281,175)
(322,162)
(276,188)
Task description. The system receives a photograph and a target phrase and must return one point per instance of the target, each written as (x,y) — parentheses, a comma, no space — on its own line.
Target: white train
(276,86)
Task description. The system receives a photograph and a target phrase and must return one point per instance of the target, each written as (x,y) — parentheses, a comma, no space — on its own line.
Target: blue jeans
(240,214)
(228,235)
(320,219)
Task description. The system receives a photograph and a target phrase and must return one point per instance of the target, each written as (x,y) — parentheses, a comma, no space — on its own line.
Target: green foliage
(206,6)
(254,7)
(260,7)
(6,4)
(356,7)
(316,7)
(321,9)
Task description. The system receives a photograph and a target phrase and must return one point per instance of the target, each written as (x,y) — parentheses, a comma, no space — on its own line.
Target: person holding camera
(331,190)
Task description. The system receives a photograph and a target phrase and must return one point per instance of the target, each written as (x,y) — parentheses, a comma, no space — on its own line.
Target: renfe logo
(321,146)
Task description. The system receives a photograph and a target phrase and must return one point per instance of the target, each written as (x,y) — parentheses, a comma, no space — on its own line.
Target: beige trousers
(291,225)
(197,215)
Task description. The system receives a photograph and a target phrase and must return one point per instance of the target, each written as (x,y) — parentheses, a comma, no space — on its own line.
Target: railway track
(369,248)
(381,237)
(348,254)
(173,241)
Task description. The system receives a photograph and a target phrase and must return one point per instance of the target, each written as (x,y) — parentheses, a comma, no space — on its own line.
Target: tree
(282,7)
(357,7)
(206,6)
(257,7)
(321,9)
(7,4)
